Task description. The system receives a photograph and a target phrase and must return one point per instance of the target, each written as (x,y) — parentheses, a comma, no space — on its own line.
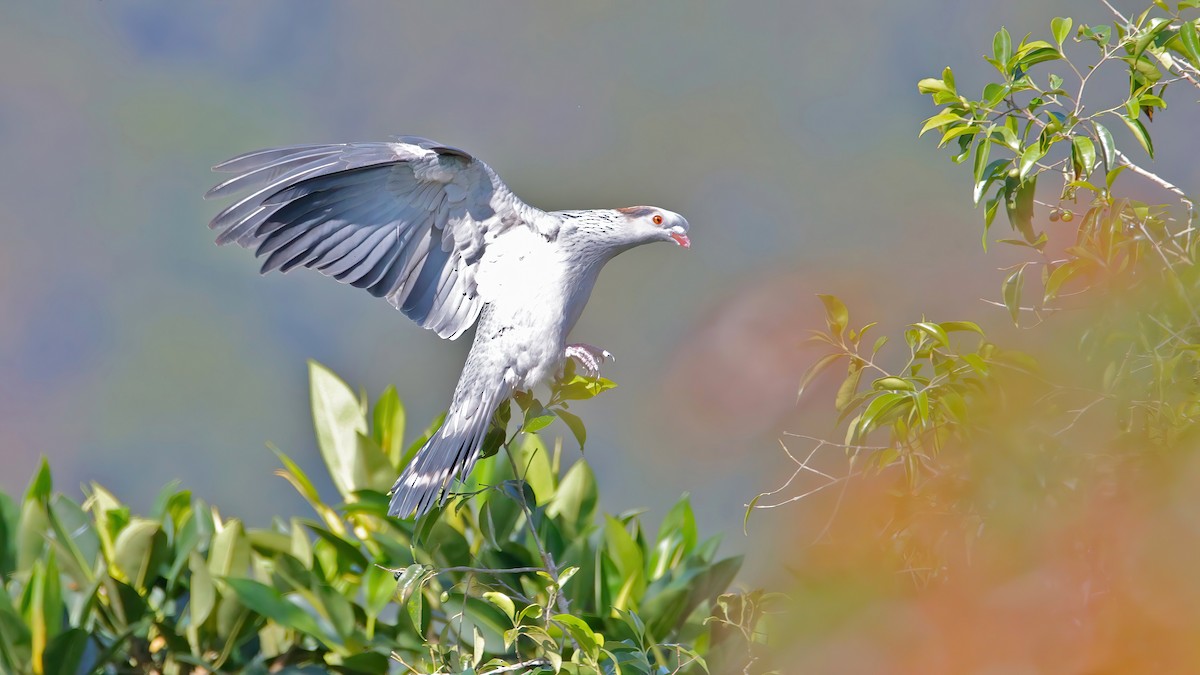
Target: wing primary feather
(252,160)
(265,174)
(234,214)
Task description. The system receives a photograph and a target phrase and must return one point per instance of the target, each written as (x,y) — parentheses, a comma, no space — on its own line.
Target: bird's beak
(680,237)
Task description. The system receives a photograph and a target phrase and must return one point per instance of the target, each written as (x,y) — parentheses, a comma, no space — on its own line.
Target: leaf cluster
(520,571)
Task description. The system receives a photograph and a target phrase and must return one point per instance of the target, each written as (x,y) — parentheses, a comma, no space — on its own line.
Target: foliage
(972,442)
(519,570)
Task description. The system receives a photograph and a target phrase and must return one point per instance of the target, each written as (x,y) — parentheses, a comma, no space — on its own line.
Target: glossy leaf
(1083,155)
(1002,48)
(269,603)
(578,430)
(1107,145)
(1061,28)
(1139,132)
(339,420)
(387,427)
(836,315)
(1191,41)
(1011,292)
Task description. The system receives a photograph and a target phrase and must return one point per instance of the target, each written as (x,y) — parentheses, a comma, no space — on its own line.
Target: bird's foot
(589,358)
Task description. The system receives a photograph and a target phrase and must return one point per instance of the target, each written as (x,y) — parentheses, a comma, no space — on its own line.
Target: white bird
(436,232)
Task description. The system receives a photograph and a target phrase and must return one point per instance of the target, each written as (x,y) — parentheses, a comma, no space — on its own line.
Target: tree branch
(1159,181)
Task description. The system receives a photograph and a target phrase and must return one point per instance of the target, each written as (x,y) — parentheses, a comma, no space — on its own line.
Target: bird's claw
(589,358)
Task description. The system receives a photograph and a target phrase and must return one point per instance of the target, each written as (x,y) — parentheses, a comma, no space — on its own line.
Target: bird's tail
(450,452)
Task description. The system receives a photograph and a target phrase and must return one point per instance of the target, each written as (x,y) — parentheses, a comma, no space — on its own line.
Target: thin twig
(532,663)
(1117,14)
(1078,414)
(517,666)
(1157,180)
(547,559)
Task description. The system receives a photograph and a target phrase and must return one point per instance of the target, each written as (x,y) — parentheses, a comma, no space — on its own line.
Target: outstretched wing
(407,220)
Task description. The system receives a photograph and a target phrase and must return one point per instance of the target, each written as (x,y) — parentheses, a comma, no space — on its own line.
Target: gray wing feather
(407,220)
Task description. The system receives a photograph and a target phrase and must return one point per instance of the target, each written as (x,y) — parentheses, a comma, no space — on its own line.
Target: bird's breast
(532,299)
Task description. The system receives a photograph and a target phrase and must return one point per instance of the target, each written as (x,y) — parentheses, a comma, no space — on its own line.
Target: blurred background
(134,352)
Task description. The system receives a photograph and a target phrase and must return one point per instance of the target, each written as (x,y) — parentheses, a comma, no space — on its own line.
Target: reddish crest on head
(636,211)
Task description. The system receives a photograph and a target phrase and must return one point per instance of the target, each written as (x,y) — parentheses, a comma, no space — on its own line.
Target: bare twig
(1078,414)
(532,663)
(1117,14)
(1159,181)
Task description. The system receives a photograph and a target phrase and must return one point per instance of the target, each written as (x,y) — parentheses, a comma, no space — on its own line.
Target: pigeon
(435,232)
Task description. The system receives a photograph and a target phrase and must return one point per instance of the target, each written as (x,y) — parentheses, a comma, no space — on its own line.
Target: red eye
(657,219)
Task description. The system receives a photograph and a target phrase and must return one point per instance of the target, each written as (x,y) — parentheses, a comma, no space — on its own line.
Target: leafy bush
(519,573)
(1029,510)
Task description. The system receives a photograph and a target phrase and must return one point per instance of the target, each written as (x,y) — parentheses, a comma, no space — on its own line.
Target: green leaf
(537,418)
(581,388)
(203,591)
(1029,159)
(625,553)
(1107,146)
(574,424)
(1011,292)
(934,331)
(229,554)
(1083,155)
(1018,202)
(977,363)
(816,369)
(1060,275)
(296,476)
(1111,176)
(940,120)
(961,326)
(348,554)
(502,601)
(583,635)
(1038,55)
(41,486)
(836,315)
(1191,41)
(269,603)
(845,394)
(45,613)
(1061,28)
(138,552)
(994,170)
(388,421)
(1139,132)
(576,499)
(75,540)
(922,399)
(65,652)
(677,536)
(930,85)
(982,150)
(877,411)
(1002,49)
(893,384)
(339,420)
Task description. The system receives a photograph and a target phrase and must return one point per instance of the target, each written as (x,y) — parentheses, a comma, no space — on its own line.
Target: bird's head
(650,223)
(603,233)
